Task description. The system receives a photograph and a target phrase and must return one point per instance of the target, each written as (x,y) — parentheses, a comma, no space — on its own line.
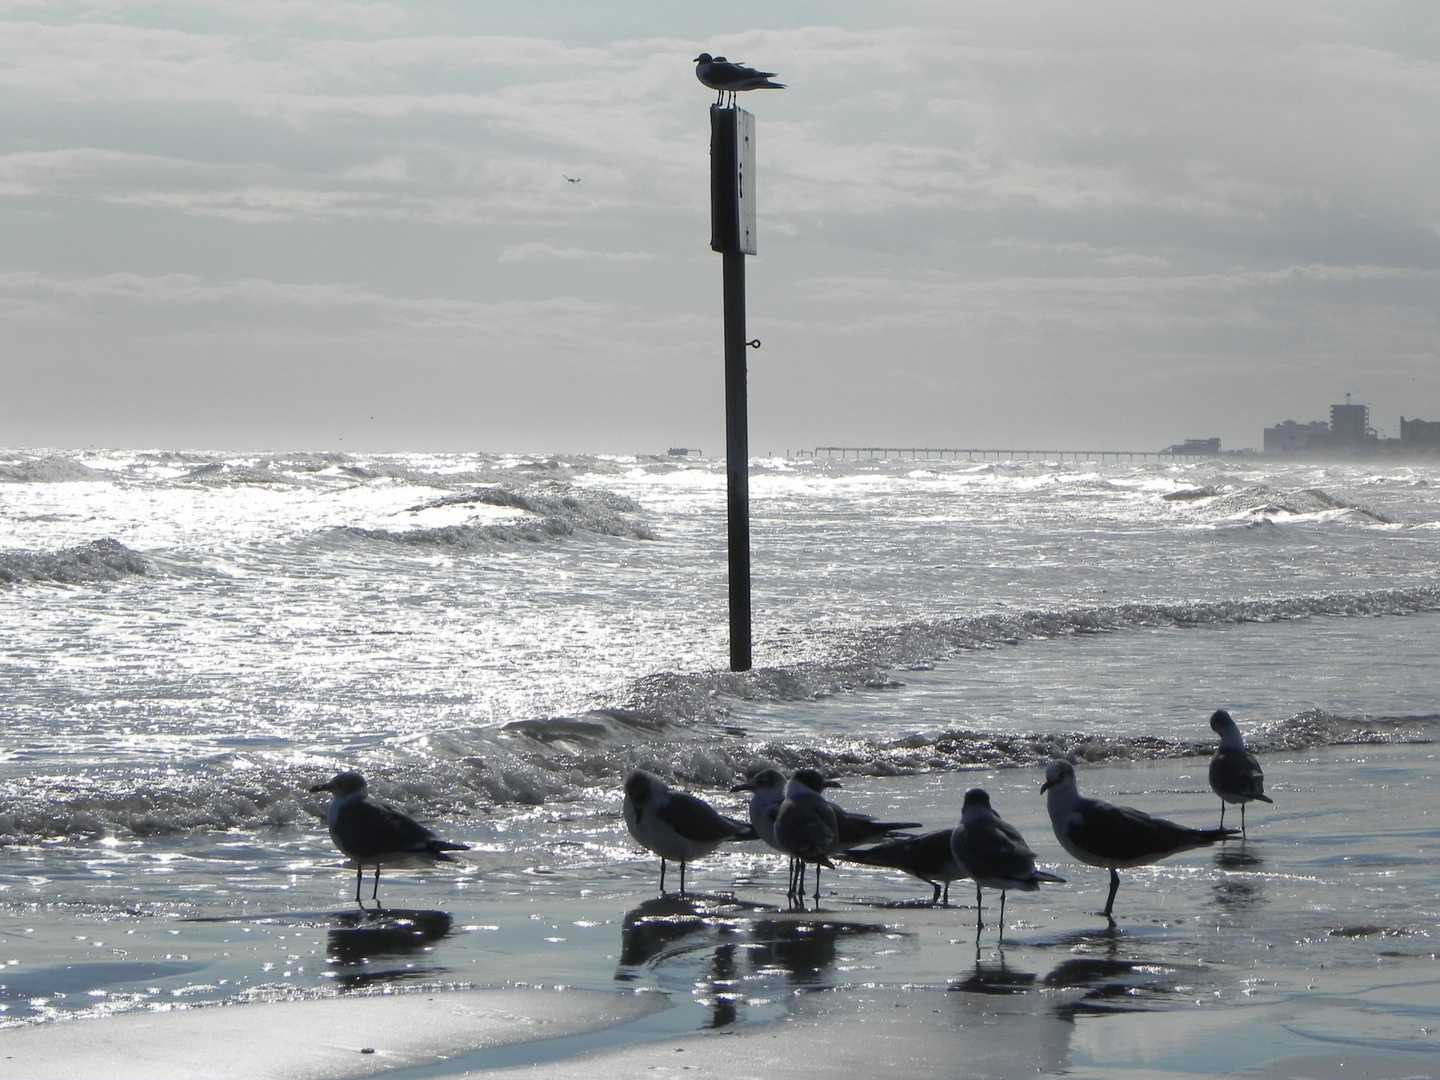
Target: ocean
(192,640)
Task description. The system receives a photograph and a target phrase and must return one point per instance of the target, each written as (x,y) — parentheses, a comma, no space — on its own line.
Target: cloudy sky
(336,224)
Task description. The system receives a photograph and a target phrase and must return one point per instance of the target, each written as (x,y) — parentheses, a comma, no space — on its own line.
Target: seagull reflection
(802,950)
(995,978)
(364,940)
(651,929)
(1237,859)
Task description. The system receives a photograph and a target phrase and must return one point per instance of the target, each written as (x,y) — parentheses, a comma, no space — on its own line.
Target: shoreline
(1244,960)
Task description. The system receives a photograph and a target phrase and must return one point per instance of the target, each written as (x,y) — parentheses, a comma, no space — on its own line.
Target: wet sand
(1308,951)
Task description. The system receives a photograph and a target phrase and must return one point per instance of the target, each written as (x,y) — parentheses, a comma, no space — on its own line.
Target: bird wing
(923,856)
(1237,773)
(1122,834)
(696,819)
(369,829)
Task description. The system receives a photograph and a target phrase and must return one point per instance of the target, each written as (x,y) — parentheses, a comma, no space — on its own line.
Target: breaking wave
(563,760)
(553,509)
(99,560)
(47,470)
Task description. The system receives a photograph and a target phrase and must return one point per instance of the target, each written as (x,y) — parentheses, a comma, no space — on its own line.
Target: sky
(345,225)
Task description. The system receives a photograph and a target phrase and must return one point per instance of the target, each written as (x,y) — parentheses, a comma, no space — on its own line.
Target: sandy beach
(1306,952)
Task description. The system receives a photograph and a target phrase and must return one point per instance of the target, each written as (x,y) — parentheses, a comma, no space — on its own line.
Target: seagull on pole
(674,825)
(993,853)
(1234,773)
(726,77)
(1100,834)
(370,831)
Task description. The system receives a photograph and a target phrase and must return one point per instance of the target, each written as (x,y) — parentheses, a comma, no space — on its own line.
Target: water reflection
(995,977)
(652,928)
(1103,980)
(362,949)
(732,957)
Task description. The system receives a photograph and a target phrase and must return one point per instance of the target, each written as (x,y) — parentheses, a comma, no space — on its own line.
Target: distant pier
(946,453)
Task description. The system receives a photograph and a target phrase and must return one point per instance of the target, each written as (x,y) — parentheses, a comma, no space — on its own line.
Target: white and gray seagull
(726,77)
(926,857)
(370,831)
(674,825)
(767,788)
(1100,834)
(994,854)
(1234,773)
(807,828)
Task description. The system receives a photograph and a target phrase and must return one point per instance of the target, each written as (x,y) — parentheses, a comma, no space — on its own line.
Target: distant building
(1423,435)
(1350,425)
(1290,437)
(1194,446)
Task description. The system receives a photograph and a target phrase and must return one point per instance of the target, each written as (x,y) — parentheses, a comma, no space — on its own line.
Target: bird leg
(375,892)
(1002,913)
(1242,821)
(1222,812)
(1114,887)
(945,900)
(682,877)
(359,877)
(662,875)
(979,910)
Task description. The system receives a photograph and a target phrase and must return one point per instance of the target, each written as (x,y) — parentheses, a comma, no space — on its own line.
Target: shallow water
(191,641)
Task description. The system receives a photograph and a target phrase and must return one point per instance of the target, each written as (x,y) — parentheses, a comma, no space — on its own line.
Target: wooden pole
(732,233)
(737,461)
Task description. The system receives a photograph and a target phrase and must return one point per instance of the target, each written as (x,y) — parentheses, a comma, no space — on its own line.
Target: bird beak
(321,787)
(832,783)
(1044,787)
(742,787)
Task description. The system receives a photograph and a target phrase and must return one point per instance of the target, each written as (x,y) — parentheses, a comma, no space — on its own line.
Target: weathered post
(732,233)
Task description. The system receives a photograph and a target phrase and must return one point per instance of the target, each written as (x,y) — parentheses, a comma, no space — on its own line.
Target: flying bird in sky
(725,77)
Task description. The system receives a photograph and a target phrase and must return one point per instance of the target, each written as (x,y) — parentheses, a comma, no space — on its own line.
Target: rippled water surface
(192,640)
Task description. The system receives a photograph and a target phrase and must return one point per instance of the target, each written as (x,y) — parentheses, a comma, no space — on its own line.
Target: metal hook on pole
(754,343)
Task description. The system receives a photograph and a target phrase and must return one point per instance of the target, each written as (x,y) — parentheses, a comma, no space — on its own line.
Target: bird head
(1220,722)
(1056,774)
(703,58)
(345,783)
(768,780)
(812,779)
(640,787)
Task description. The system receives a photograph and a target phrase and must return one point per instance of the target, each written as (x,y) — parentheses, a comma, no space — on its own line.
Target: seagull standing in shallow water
(1100,834)
(927,857)
(1234,773)
(725,77)
(993,852)
(806,827)
(674,825)
(768,788)
(369,831)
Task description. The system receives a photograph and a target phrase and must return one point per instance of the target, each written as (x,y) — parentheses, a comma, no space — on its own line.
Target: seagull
(675,825)
(573,179)
(993,852)
(807,827)
(768,793)
(727,77)
(1100,834)
(368,830)
(1234,773)
(927,857)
